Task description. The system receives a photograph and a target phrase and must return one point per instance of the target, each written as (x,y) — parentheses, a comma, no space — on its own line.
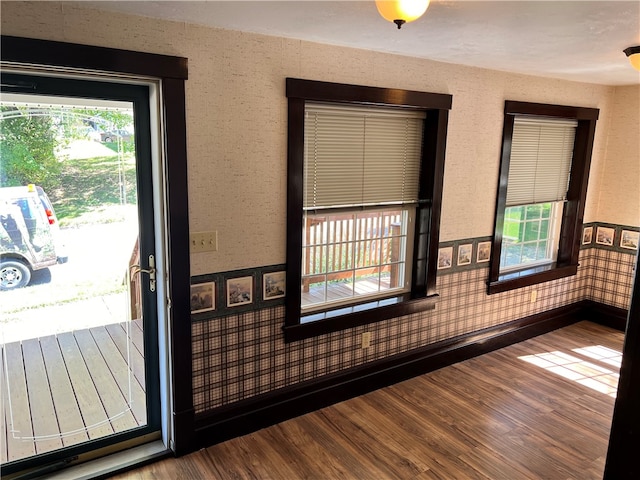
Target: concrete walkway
(77,315)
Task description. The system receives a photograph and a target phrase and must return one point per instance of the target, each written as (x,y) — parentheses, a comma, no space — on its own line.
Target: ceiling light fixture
(634,56)
(402,11)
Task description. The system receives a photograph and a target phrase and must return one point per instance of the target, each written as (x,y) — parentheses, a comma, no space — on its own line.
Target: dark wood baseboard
(606,315)
(259,412)
(183,438)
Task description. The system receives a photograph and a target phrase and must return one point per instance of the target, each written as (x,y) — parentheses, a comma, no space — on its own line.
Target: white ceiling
(575,40)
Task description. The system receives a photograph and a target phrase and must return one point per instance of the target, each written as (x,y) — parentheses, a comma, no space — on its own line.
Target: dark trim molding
(72,55)
(612,317)
(621,463)
(550,110)
(253,414)
(427,225)
(172,71)
(179,270)
(359,315)
(528,277)
(573,212)
(341,92)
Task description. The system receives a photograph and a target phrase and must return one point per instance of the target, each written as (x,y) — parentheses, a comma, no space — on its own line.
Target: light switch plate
(203,242)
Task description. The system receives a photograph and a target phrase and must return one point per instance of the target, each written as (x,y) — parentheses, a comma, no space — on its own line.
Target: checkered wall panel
(243,355)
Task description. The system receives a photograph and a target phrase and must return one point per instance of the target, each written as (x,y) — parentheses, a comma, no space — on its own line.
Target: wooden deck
(341,291)
(68,388)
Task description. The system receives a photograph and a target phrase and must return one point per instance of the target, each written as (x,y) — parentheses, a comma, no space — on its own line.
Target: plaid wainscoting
(610,276)
(239,356)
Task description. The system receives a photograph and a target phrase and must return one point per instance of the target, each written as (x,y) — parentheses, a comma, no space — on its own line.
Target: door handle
(135,269)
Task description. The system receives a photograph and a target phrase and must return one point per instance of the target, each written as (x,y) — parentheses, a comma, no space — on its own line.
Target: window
(530,235)
(364,188)
(546,155)
(351,255)
(361,175)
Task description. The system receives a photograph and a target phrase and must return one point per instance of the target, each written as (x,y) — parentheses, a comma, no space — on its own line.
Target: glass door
(78,335)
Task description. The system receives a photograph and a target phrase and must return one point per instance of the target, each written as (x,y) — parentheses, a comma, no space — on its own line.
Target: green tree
(28,139)
(105,119)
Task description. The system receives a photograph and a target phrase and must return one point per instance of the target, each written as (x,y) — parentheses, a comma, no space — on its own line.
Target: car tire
(108,139)
(14,274)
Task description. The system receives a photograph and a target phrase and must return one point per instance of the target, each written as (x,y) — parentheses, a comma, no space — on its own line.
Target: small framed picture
(464,254)
(587,235)
(445,258)
(629,239)
(604,235)
(203,297)
(484,252)
(239,291)
(273,285)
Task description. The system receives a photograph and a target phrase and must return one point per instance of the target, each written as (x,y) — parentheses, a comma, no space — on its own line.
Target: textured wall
(619,195)
(236,119)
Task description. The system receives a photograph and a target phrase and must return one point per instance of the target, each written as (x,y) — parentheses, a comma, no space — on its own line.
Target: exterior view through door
(78,342)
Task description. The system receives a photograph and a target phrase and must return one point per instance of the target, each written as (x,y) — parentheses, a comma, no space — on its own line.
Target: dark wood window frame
(573,214)
(422,295)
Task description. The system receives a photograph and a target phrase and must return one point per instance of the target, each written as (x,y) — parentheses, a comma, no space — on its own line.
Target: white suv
(29,235)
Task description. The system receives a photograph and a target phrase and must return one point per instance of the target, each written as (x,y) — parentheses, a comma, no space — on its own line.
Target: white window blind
(360,156)
(540,164)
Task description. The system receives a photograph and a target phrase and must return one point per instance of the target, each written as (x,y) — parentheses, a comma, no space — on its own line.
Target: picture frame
(484,252)
(587,235)
(239,291)
(629,239)
(465,253)
(445,258)
(203,297)
(274,285)
(605,236)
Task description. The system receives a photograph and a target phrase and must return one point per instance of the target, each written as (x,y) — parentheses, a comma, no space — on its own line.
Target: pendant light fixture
(634,56)
(402,11)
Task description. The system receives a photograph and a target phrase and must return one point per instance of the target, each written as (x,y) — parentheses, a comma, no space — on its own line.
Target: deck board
(124,342)
(137,335)
(68,388)
(340,291)
(114,402)
(65,403)
(17,414)
(43,415)
(86,394)
(131,390)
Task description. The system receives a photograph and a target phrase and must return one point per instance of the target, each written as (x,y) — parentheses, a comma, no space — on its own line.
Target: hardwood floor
(540,409)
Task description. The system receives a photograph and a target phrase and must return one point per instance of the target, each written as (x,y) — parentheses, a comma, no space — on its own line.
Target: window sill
(530,276)
(319,323)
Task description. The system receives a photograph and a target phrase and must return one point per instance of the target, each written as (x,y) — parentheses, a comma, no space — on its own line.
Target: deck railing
(338,245)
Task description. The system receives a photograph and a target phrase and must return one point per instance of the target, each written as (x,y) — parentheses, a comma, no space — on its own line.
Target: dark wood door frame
(172,73)
(624,439)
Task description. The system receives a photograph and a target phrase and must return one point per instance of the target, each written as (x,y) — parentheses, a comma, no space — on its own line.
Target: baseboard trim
(606,315)
(265,410)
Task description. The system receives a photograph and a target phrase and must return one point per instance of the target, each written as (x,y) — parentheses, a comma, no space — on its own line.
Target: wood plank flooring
(540,409)
(340,291)
(64,389)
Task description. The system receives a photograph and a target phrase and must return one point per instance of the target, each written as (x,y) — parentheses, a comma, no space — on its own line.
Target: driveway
(88,291)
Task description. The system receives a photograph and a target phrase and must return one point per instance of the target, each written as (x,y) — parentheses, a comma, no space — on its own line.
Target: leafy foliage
(27,148)
(30,136)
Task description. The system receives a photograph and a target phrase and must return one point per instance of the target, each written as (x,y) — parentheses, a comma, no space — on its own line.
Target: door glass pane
(71,339)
